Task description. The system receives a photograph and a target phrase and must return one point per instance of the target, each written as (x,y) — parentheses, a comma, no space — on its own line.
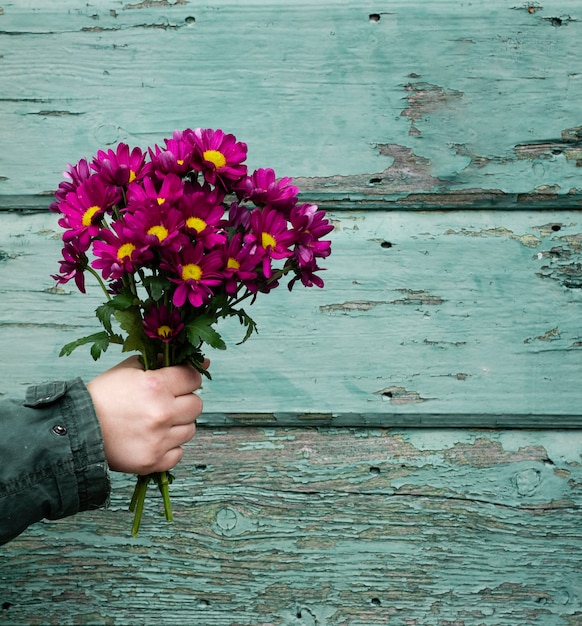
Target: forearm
(52,460)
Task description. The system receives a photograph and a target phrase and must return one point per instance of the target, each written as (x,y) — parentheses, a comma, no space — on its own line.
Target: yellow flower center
(232,264)
(196,223)
(131,176)
(89,214)
(161,200)
(268,241)
(164,331)
(125,251)
(180,161)
(215,157)
(191,271)
(161,232)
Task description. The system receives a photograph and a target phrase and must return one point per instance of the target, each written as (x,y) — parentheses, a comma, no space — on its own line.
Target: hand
(146,416)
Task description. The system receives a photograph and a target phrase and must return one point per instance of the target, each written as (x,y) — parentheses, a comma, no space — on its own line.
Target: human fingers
(186,409)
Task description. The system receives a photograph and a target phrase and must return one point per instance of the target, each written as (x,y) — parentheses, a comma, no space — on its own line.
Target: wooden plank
(418,104)
(427,319)
(303,527)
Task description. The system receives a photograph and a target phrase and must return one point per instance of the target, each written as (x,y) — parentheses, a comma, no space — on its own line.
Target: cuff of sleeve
(81,426)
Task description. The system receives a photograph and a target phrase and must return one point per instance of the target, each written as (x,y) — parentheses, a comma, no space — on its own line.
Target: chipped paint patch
(549,335)
(424,98)
(399,395)
(417,297)
(529,240)
(352,305)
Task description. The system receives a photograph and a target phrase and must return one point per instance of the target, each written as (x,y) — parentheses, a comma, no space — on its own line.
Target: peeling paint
(400,395)
(528,240)
(549,335)
(417,297)
(424,98)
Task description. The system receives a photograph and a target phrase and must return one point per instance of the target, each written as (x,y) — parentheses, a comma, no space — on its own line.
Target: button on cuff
(60,430)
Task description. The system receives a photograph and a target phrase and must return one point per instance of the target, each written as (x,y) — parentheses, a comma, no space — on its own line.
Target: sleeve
(52,460)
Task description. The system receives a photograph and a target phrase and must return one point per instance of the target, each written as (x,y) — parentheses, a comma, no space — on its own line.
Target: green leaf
(122,301)
(100,341)
(245,320)
(131,322)
(200,330)
(156,286)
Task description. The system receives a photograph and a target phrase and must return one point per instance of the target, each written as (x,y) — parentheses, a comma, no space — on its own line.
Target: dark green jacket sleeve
(52,462)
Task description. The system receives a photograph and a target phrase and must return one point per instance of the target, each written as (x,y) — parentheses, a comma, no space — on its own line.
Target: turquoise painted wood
(436,319)
(403,447)
(413,103)
(305,527)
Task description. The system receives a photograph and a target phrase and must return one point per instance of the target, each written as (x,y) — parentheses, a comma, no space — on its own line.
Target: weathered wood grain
(303,527)
(435,319)
(415,104)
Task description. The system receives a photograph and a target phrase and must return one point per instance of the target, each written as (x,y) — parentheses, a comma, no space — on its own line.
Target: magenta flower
(218,156)
(195,273)
(149,192)
(262,188)
(83,209)
(73,265)
(239,217)
(122,166)
(177,155)
(118,252)
(307,276)
(162,323)
(240,265)
(269,232)
(75,174)
(202,211)
(310,225)
(157,227)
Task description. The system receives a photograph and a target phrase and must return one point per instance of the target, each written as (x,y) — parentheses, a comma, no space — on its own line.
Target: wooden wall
(402,447)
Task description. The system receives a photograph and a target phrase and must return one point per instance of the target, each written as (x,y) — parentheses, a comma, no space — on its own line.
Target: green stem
(99,280)
(163,480)
(138,501)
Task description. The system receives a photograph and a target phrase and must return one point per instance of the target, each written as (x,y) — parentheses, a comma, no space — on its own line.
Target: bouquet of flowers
(179,237)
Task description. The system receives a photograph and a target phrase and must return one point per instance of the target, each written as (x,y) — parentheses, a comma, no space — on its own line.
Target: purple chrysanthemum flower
(195,273)
(240,265)
(73,265)
(306,275)
(83,209)
(122,166)
(177,155)
(239,217)
(157,227)
(162,323)
(269,231)
(262,188)
(310,225)
(75,174)
(118,252)
(218,156)
(151,192)
(202,211)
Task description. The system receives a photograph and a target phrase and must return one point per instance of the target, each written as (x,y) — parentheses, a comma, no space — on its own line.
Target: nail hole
(375,470)
(556,21)
(387,394)
(190,20)
(201,467)
(203,603)
(375,181)
(376,602)
(556,227)
(385,244)
(374,17)
(6,605)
